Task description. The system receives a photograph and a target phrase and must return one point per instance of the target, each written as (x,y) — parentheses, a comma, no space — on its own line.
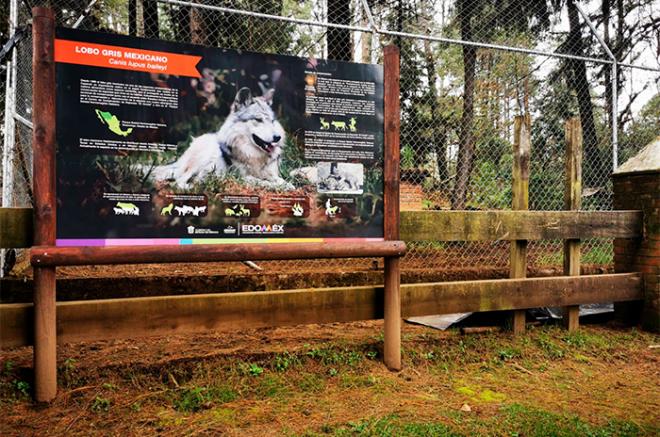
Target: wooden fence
(132,317)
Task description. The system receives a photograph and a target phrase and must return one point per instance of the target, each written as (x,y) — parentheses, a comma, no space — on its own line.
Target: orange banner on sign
(125,58)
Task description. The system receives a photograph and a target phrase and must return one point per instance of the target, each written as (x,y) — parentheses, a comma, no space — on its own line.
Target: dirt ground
(329,380)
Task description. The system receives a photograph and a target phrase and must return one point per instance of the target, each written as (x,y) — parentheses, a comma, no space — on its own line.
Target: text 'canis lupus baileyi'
(250,141)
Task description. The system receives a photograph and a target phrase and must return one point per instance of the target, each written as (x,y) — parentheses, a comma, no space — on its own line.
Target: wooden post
(43,145)
(392,310)
(573,201)
(520,201)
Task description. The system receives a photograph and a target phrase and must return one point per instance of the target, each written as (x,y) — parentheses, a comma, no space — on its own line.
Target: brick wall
(641,191)
(411,196)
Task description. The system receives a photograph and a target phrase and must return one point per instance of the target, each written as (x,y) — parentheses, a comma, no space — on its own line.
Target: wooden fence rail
(72,256)
(16,228)
(518,225)
(133,317)
(16,225)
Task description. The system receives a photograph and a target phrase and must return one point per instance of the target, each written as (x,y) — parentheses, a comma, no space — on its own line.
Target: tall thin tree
(579,83)
(340,45)
(466,134)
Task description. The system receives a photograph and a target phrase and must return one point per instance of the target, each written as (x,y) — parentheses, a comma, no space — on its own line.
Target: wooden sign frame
(45,256)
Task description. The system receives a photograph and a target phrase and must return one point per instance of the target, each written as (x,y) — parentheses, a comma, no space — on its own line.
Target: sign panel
(165,143)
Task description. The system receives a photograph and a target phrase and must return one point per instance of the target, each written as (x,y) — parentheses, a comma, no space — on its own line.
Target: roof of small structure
(648,159)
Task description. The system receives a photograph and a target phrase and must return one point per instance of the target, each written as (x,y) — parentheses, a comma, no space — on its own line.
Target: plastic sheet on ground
(446,321)
(441,321)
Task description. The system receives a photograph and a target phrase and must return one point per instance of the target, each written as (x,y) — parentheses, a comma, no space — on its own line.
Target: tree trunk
(607,68)
(340,46)
(132,17)
(150,10)
(180,19)
(595,167)
(437,123)
(466,138)
(619,48)
(197,27)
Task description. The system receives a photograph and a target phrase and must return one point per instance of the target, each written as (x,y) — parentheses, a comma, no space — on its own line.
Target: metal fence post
(615,92)
(615,120)
(9,127)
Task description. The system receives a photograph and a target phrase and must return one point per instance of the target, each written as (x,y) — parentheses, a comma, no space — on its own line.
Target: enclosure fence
(468,67)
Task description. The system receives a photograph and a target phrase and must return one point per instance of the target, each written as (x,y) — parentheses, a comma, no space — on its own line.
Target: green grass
(510,420)
(551,259)
(547,382)
(191,399)
(600,254)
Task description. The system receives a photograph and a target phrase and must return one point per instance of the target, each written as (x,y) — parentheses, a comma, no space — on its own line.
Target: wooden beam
(15,228)
(74,256)
(391,177)
(522,145)
(573,202)
(43,182)
(518,225)
(511,294)
(16,225)
(135,317)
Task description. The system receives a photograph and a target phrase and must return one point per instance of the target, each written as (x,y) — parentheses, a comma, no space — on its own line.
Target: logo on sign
(229,230)
(262,229)
(191,229)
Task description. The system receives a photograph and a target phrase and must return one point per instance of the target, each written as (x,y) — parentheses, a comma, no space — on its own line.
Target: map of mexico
(113,123)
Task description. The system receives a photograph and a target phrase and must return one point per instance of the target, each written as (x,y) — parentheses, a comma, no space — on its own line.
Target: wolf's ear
(243,98)
(268,96)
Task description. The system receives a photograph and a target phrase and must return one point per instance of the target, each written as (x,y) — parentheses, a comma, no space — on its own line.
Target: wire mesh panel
(468,67)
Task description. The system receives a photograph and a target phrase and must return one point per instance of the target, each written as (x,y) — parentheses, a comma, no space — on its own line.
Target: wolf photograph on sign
(243,129)
(250,140)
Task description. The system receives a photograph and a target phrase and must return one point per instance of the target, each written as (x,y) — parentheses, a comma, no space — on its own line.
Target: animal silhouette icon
(184,210)
(339,125)
(167,210)
(124,208)
(237,211)
(198,210)
(298,210)
(330,210)
(352,125)
(325,125)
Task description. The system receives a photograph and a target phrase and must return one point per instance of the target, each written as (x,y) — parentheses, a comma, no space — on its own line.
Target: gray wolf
(249,141)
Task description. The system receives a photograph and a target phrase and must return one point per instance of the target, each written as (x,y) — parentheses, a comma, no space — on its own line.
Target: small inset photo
(340,177)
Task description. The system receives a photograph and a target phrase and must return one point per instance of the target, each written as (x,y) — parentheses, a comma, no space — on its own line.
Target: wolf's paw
(288,186)
(281,184)
(309,173)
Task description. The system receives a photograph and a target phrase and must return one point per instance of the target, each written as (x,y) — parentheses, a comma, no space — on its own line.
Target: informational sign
(165,143)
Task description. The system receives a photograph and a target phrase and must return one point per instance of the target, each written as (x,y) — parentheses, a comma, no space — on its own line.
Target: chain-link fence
(467,68)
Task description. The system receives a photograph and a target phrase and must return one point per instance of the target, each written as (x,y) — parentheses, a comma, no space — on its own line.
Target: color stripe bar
(176,241)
